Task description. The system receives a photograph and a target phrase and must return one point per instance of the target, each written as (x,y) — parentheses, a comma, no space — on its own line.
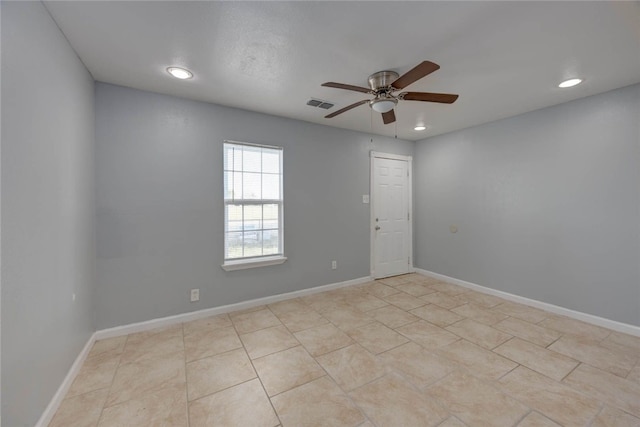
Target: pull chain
(371,128)
(396,131)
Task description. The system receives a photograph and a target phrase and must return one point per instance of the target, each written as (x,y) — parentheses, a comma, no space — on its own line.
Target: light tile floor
(403,351)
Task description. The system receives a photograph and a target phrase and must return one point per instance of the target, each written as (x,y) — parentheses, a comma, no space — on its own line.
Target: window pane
(237,159)
(228,157)
(252,243)
(271,224)
(270,186)
(234,218)
(271,244)
(228,185)
(251,160)
(271,161)
(252,217)
(234,212)
(232,185)
(270,211)
(234,226)
(233,245)
(232,157)
(251,186)
(253,212)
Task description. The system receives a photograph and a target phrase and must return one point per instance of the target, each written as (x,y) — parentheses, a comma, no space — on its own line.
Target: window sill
(252,263)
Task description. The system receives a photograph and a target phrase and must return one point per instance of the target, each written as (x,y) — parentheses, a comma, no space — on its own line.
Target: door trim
(372,234)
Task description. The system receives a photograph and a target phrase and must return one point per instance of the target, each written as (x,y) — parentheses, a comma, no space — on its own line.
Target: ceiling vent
(319,103)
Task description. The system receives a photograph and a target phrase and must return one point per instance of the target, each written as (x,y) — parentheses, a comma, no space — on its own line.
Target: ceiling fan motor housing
(382,79)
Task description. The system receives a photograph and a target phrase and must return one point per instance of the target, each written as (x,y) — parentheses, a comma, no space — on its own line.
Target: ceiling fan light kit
(383,105)
(383,84)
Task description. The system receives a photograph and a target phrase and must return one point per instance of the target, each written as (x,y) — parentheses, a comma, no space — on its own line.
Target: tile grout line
(347,395)
(104,405)
(213,355)
(495,383)
(390,371)
(508,393)
(526,339)
(597,414)
(353,342)
(186,382)
(570,372)
(221,390)
(437,401)
(224,352)
(535,370)
(273,408)
(523,417)
(304,329)
(556,340)
(497,380)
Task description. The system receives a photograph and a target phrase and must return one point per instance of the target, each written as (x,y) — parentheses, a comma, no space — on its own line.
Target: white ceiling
(502,58)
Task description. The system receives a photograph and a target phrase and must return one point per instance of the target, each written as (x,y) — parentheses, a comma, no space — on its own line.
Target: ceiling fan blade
(443,98)
(347,108)
(416,73)
(347,87)
(388,117)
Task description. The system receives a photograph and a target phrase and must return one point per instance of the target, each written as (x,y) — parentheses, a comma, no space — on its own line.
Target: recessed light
(421,127)
(570,83)
(180,73)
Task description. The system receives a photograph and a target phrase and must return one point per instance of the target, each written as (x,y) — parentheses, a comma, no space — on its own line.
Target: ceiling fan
(384,83)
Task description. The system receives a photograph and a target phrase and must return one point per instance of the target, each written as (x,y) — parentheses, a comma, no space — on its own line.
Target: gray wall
(48,210)
(547,205)
(160,208)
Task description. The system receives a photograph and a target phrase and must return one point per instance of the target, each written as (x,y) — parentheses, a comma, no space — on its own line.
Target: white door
(391,223)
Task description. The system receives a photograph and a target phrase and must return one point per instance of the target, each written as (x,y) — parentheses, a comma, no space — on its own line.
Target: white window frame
(232,264)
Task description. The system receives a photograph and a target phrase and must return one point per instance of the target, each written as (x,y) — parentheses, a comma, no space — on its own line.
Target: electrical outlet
(334,265)
(365,198)
(195,295)
(73,297)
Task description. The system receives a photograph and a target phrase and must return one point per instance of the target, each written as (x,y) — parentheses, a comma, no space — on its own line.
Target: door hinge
(407,216)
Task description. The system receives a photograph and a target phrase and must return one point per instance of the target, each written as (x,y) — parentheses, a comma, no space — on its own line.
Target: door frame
(372,232)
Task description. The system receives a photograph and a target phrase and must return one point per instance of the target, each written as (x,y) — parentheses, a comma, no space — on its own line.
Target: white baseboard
(589,318)
(195,315)
(57,399)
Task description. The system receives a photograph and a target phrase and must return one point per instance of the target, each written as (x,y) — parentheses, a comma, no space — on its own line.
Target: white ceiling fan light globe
(383,105)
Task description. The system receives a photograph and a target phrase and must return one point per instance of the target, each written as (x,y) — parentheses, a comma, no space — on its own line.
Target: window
(253,205)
